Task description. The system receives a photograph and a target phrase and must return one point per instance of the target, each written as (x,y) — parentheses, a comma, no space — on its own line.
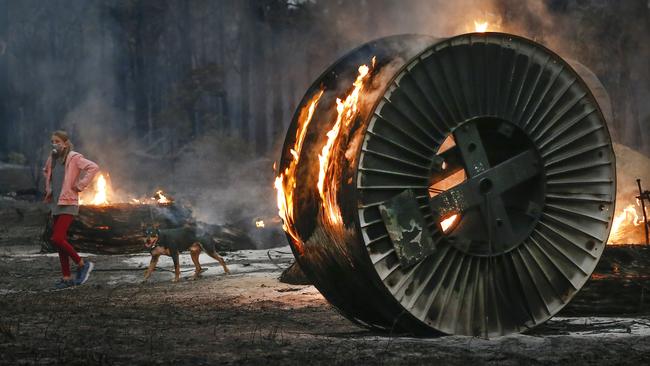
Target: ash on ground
(247,317)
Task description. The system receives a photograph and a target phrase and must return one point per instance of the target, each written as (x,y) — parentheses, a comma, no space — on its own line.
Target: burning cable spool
(490,235)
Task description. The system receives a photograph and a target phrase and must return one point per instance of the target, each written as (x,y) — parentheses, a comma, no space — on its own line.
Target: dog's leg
(215,255)
(177,273)
(177,266)
(195,251)
(155,255)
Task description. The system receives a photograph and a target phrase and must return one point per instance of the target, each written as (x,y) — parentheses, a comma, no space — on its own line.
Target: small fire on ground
(627,226)
(101,193)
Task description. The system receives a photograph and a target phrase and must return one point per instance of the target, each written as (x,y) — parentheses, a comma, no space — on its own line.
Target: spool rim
(495,328)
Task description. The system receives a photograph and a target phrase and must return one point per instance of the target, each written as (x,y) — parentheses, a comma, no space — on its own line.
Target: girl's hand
(48,196)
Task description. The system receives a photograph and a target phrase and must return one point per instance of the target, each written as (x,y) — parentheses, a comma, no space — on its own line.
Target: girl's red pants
(60,240)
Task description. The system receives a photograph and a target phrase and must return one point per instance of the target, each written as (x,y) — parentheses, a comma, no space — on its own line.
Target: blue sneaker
(63,284)
(83,273)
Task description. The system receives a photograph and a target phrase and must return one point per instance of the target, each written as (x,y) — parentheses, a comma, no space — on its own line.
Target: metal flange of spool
(499,134)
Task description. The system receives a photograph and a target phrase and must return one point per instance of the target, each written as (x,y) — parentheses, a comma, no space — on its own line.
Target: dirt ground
(248,317)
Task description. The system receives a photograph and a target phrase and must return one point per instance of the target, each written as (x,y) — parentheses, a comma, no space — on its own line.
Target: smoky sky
(89,66)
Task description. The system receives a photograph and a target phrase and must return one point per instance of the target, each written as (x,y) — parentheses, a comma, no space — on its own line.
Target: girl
(66,174)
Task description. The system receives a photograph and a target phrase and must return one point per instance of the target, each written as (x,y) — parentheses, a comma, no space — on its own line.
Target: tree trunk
(187,64)
(225,112)
(260,43)
(244,64)
(141,100)
(4,77)
(222,98)
(277,121)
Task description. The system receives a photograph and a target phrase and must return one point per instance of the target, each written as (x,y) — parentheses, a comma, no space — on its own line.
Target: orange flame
(161,198)
(623,225)
(448,223)
(100,196)
(101,193)
(285,183)
(480,26)
(451,180)
(347,112)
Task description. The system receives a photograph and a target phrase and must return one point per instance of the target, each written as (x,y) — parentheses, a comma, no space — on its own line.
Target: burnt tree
(4,76)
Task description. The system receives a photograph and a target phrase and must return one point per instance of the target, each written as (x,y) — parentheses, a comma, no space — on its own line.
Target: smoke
(224,180)
(606,38)
(78,53)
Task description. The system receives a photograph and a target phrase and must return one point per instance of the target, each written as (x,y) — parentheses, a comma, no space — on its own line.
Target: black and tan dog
(173,241)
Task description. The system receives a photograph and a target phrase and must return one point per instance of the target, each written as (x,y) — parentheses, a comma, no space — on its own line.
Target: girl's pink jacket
(72,182)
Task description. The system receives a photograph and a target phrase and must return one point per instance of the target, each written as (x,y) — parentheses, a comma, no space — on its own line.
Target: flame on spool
(347,111)
(448,223)
(285,183)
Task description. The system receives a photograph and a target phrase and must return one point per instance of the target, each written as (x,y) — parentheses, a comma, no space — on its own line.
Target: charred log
(620,284)
(118,228)
(228,238)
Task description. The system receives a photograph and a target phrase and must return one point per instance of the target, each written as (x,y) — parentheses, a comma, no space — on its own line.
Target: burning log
(106,227)
(629,219)
(618,286)
(117,228)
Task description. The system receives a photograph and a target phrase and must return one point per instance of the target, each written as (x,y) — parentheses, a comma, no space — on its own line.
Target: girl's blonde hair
(68,144)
